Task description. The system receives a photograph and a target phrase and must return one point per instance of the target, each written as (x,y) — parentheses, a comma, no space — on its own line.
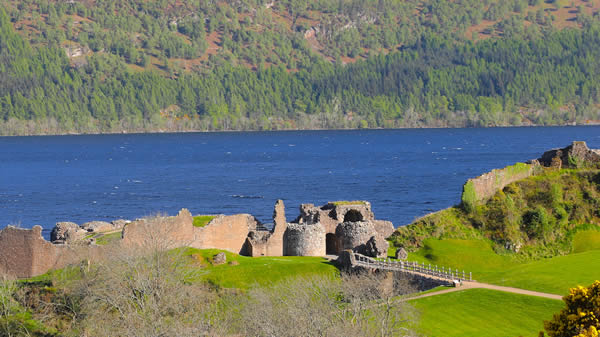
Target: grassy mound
(244,272)
(586,240)
(482,312)
(537,217)
(202,220)
(553,275)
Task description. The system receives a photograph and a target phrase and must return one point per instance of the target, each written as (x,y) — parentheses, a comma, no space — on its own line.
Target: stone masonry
(269,243)
(24,253)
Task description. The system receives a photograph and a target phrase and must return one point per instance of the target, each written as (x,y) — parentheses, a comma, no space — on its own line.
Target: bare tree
(357,305)
(144,290)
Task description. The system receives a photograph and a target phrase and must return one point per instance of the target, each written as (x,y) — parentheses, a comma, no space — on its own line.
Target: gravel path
(474,285)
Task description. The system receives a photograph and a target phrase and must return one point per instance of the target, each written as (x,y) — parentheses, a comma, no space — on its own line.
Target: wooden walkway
(420,269)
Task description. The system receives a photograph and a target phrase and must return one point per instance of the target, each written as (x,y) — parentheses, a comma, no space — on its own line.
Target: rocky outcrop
(97,226)
(220,258)
(119,224)
(377,246)
(401,254)
(67,232)
(576,155)
(304,240)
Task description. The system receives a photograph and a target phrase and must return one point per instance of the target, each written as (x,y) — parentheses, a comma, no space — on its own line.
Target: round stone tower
(354,235)
(304,240)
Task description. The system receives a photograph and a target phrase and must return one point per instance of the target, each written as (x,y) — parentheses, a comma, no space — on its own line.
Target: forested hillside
(139,65)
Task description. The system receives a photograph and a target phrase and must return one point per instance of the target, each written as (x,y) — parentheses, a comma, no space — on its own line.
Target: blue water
(403,173)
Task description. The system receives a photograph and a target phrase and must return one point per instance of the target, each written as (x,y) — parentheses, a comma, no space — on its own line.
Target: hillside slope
(537,217)
(134,65)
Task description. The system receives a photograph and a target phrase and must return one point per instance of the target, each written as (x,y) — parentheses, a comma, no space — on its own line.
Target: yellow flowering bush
(581,317)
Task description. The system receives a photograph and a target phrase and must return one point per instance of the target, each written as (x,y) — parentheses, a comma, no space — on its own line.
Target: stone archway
(353,216)
(331,244)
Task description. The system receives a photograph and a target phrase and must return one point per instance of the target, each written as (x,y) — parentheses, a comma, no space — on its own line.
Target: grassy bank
(244,272)
(537,217)
(482,312)
(553,275)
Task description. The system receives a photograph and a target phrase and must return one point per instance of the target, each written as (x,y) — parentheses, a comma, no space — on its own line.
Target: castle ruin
(317,231)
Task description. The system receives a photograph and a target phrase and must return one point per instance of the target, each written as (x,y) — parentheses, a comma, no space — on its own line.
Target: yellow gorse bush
(581,317)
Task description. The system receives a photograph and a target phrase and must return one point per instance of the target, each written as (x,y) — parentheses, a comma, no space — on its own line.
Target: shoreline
(154,132)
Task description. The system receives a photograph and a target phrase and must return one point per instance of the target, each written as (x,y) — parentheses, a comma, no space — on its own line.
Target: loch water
(403,173)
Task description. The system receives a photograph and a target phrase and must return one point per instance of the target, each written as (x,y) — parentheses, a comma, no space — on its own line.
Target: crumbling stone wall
(354,235)
(269,243)
(304,240)
(25,253)
(227,232)
(334,213)
(173,231)
(485,186)
(576,155)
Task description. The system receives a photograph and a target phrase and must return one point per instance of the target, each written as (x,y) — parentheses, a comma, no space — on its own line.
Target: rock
(576,155)
(377,246)
(97,226)
(60,229)
(346,259)
(220,258)
(234,263)
(67,232)
(120,223)
(401,254)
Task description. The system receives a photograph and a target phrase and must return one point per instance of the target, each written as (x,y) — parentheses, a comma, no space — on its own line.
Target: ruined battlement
(24,253)
(480,189)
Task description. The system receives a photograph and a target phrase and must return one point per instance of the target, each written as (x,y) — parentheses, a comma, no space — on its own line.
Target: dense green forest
(135,65)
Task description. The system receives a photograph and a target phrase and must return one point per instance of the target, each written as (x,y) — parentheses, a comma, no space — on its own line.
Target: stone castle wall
(479,189)
(172,232)
(227,232)
(25,253)
(576,155)
(261,243)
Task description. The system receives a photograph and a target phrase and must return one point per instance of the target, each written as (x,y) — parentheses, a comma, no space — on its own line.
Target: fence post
(470,278)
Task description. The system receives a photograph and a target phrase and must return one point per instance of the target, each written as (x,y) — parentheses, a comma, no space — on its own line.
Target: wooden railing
(414,268)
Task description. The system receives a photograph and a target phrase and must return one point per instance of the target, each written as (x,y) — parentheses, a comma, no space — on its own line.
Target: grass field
(586,240)
(244,272)
(202,220)
(482,312)
(555,275)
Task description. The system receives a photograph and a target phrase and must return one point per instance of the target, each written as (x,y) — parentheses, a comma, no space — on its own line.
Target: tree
(581,317)
(358,305)
(144,290)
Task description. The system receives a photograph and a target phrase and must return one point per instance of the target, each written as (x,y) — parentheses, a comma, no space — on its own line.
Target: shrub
(581,317)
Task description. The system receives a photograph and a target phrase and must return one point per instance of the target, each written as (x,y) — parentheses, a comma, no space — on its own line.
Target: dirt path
(475,285)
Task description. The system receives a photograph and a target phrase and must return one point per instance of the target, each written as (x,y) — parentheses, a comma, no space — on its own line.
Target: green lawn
(586,240)
(555,275)
(483,312)
(105,239)
(202,220)
(250,271)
